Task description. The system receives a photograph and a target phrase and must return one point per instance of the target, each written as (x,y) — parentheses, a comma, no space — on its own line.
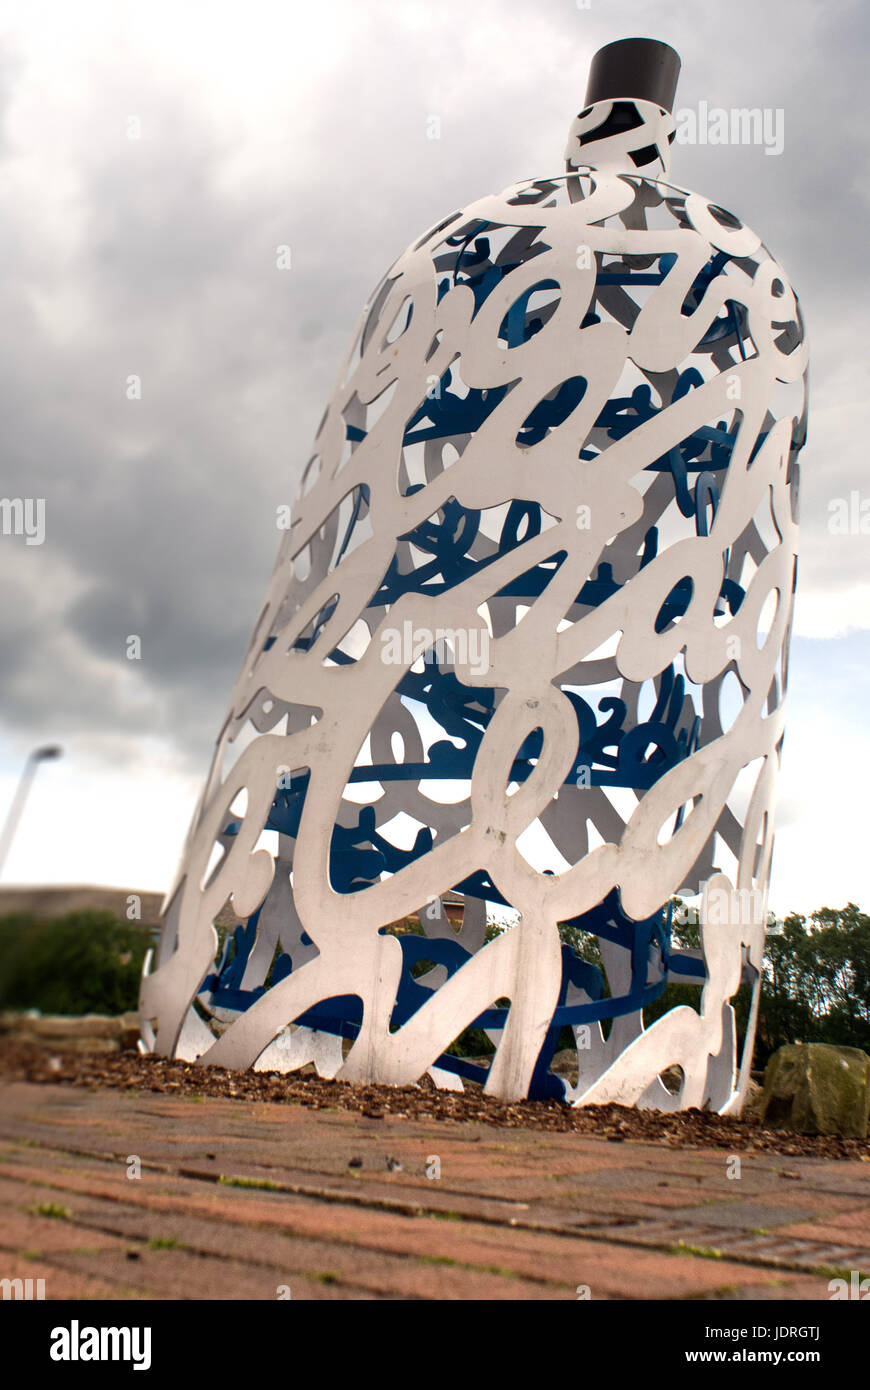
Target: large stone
(814,1088)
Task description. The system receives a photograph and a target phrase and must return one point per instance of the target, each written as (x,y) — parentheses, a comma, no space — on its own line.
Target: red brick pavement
(238,1198)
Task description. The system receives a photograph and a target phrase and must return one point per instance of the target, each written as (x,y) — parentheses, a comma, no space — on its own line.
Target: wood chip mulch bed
(683,1129)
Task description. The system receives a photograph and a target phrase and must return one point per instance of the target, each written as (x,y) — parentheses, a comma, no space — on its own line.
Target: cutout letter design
(522,660)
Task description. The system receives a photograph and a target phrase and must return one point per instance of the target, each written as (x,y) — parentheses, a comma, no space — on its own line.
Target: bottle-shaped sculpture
(517,683)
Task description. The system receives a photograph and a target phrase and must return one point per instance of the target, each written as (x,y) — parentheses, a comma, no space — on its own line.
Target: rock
(672,1079)
(815,1088)
(563,1064)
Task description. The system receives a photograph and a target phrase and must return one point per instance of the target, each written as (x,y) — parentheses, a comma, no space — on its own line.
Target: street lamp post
(38,755)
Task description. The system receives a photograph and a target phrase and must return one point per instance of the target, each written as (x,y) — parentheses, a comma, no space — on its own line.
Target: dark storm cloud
(159,259)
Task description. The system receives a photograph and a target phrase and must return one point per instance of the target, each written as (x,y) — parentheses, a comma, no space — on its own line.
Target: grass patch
(53,1209)
(166,1243)
(499,1270)
(838,1272)
(264,1184)
(702,1252)
(326,1277)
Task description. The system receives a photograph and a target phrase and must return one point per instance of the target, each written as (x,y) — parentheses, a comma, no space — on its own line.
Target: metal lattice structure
(516,650)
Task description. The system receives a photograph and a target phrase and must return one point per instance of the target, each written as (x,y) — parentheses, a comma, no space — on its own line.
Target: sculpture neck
(625,136)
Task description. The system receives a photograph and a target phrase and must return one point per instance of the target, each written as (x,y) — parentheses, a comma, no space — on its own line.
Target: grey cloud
(163,509)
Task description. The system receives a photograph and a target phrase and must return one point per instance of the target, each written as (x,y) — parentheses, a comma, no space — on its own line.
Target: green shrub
(816,984)
(85,962)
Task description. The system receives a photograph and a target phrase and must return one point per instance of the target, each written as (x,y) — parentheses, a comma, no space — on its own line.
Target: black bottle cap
(643,68)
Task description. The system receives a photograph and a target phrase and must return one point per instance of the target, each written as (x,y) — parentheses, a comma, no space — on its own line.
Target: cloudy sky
(152,158)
